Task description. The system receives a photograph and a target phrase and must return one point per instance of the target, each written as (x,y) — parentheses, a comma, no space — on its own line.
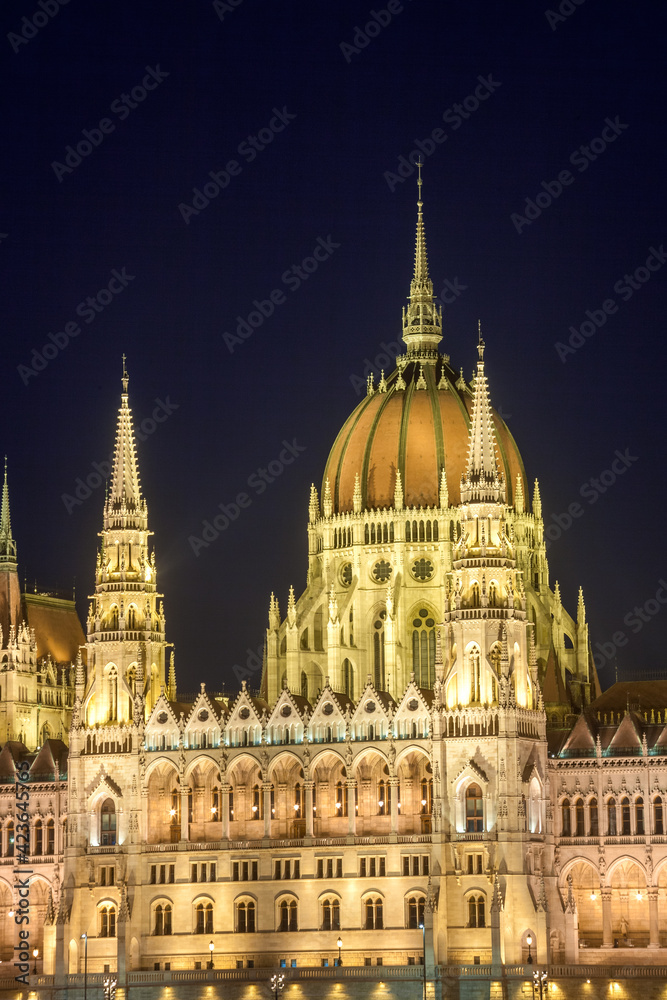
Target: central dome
(417,422)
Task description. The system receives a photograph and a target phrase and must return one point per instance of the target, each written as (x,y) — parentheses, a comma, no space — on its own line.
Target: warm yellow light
(593,896)
(639,896)
(296,805)
(381,802)
(214,809)
(529,940)
(254,809)
(172,812)
(423,802)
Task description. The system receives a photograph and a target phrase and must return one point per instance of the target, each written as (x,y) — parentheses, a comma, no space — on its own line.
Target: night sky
(544,197)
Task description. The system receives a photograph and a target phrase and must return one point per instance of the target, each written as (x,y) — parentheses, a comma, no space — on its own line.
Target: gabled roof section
(203,713)
(628,733)
(49,759)
(286,710)
(330,717)
(244,701)
(582,736)
(413,703)
(58,631)
(172,709)
(370,697)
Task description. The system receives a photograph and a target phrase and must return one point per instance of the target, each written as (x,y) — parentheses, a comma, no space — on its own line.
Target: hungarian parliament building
(428,777)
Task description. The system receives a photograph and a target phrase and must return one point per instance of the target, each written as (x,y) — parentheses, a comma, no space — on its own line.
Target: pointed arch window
(579,829)
(566,820)
(474,809)
(108,823)
(416,911)
(39,849)
(245,917)
(374,912)
(108,921)
(204,918)
(112,692)
(475,670)
(593,817)
(50,837)
(9,850)
(474,595)
(423,648)
(348,672)
(493,594)
(288,915)
(625,817)
(639,816)
(378,650)
(331,915)
(611,818)
(476,911)
(658,825)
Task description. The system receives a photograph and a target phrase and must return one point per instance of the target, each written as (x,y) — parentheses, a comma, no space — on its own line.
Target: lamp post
(35,953)
(529,941)
(84,938)
(210,948)
(540,985)
(339,942)
(423,930)
(277,985)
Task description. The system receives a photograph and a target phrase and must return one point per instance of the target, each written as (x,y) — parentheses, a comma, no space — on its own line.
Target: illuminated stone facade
(428,770)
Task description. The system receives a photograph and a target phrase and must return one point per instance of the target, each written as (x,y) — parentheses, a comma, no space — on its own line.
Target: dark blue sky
(304,116)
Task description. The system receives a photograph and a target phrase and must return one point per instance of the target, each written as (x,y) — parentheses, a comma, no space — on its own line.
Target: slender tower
(126,626)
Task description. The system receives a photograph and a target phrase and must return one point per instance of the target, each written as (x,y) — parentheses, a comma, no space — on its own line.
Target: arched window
(348,672)
(625,817)
(298,800)
(245,917)
(378,651)
(476,911)
(331,915)
(408,536)
(415,911)
(474,809)
(50,837)
(384,798)
(658,826)
(474,595)
(288,915)
(427,796)
(112,692)
(9,853)
(611,818)
(580,830)
(475,668)
(566,827)
(593,817)
(257,803)
(493,595)
(162,922)
(108,823)
(204,918)
(108,920)
(374,913)
(423,648)
(639,816)
(39,848)
(215,804)
(341,799)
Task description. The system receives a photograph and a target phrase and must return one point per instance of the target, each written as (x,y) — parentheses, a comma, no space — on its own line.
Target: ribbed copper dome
(417,431)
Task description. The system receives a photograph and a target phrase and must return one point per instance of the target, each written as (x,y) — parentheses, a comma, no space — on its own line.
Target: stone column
(394,785)
(607,938)
(266,792)
(351,812)
(184,813)
(225,812)
(654,930)
(308,786)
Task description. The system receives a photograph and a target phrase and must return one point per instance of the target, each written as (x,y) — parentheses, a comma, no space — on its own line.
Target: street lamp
(210,948)
(339,942)
(541,985)
(529,941)
(35,953)
(423,930)
(277,985)
(84,938)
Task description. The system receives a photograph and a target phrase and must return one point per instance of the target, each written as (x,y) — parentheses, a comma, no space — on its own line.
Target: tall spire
(124,504)
(482,481)
(7,543)
(422,321)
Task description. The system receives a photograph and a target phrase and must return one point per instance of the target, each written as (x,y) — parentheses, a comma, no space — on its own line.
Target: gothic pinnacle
(171,683)
(422,320)
(444,492)
(7,543)
(537,500)
(356,496)
(327,506)
(581,608)
(482,480)
(291,607)
(398,491)
(518,495)
(313,505)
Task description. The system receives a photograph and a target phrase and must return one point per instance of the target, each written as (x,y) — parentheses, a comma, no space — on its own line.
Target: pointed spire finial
(125,377)
(519,502)
(422,321)
(444,492)
(537,500)
(398,491)
(7,543)
(581,608)
(482,481)
(356,496)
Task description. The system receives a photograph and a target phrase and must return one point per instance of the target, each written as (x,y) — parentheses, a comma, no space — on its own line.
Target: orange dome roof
(417,430)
